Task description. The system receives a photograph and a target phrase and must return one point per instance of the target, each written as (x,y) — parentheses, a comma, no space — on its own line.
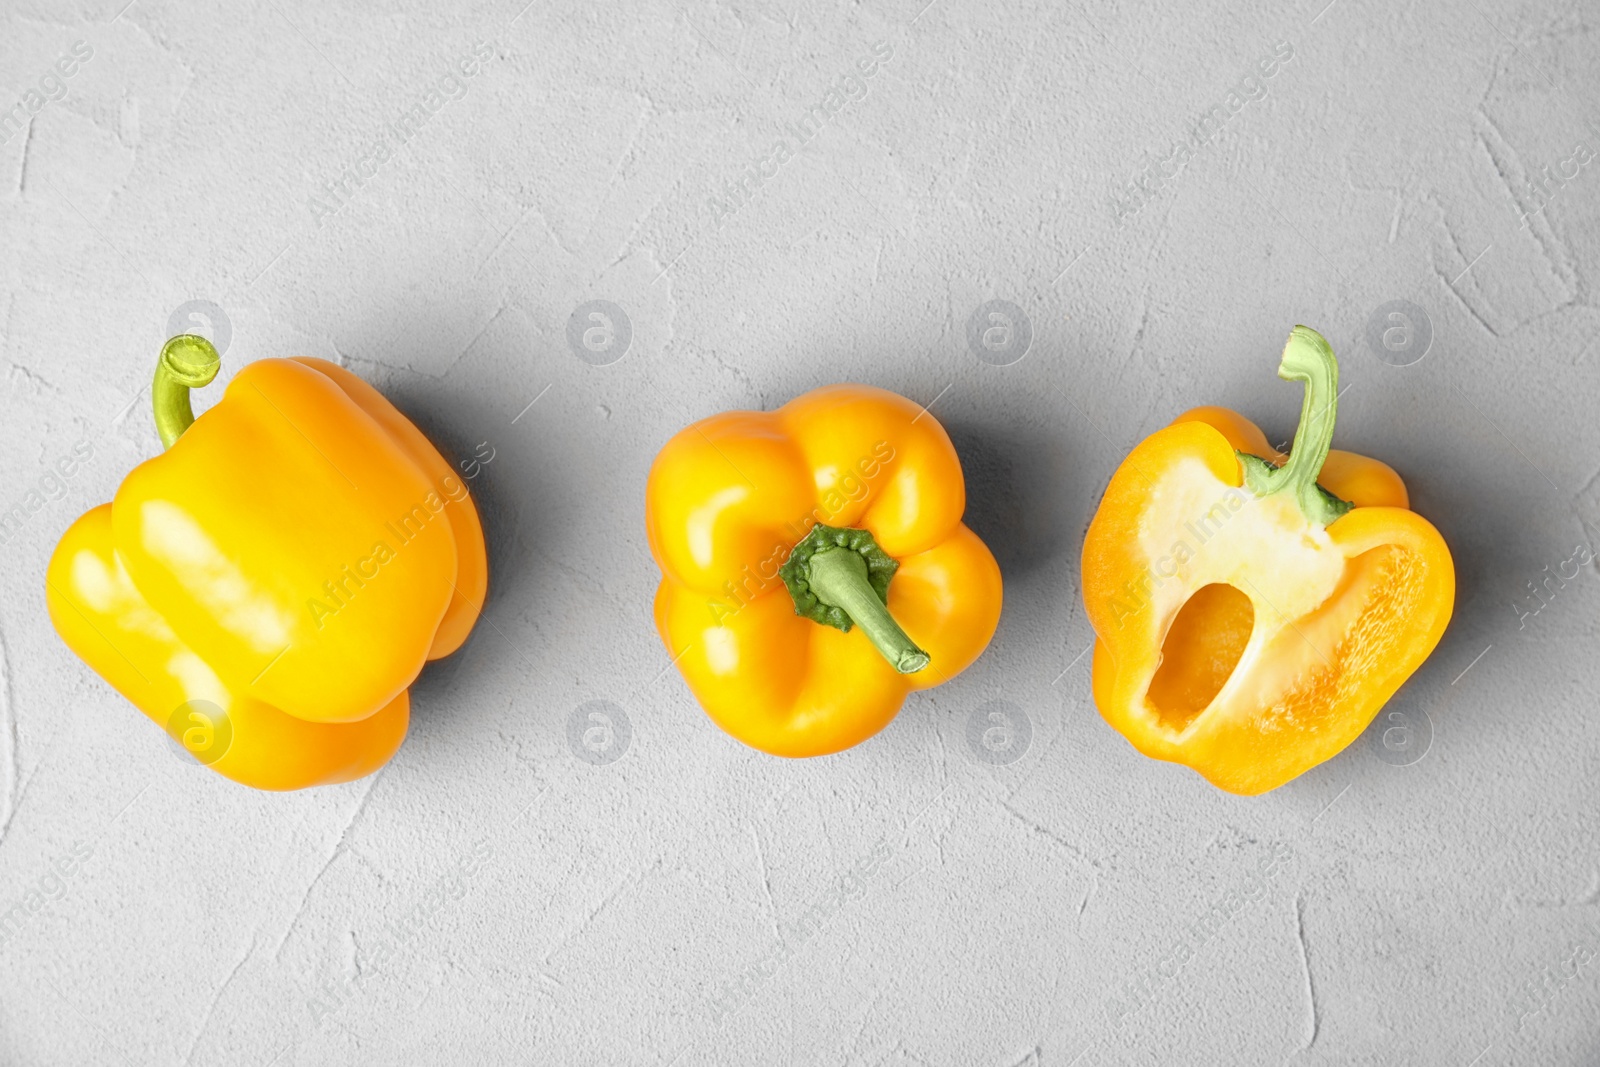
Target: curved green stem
(1308,358)
(187,362)
(840,577)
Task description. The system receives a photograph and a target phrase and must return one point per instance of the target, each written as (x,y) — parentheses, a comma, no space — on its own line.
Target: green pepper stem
(187,362)
(1308,358)
(838,577)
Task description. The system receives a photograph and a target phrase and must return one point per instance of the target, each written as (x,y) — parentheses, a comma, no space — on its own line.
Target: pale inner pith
(1255,566)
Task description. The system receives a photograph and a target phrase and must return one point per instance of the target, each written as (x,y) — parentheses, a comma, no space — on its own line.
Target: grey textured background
(907,902)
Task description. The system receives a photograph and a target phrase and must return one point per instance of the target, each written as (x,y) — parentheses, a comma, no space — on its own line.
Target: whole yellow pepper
(815,569)
(1254,611)
(268,588)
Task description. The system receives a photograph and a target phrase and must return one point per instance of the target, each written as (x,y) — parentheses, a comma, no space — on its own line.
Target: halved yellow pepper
(1253,611)
(282,571)
(778,534)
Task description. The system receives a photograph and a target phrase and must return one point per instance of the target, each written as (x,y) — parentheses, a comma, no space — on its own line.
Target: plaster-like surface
(490,897)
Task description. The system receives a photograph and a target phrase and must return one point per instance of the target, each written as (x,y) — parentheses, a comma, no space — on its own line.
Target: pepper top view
(815,568)
(1254,611)
(267,588)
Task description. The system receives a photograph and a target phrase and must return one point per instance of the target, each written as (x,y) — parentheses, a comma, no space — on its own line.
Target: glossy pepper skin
(288,564)
(1254,611)
(845,503)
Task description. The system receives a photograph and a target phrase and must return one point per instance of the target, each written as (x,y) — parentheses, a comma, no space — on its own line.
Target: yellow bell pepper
(815,569)
(1253,611)
(268,588)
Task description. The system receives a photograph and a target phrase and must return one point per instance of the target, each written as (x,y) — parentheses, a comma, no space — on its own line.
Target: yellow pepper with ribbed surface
(267,588)
(815,568)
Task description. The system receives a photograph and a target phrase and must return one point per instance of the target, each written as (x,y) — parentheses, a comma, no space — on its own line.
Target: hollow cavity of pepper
(1203,646)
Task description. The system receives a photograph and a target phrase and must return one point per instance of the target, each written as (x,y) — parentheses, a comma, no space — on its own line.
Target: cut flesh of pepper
(1268,613)
(1253,613)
